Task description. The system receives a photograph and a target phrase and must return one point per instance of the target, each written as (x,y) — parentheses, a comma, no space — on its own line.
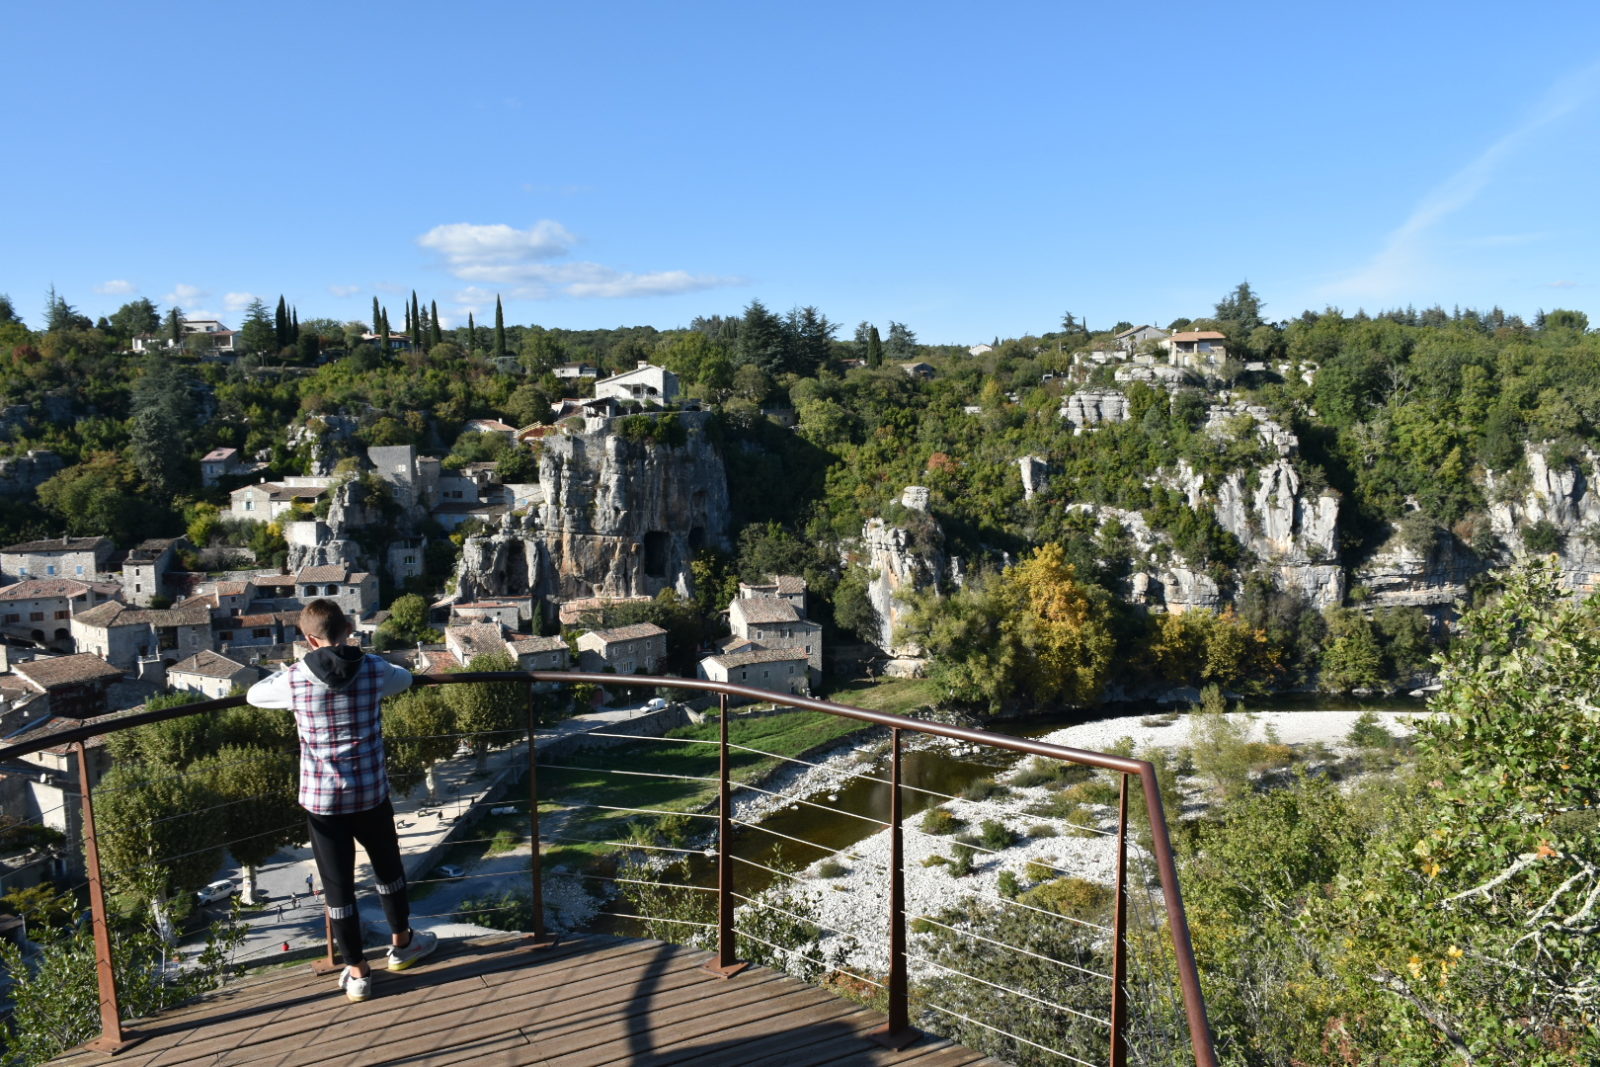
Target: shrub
(1368,732)
(1070,896)
(1008,885)
(1094,791)
(940,821)
(995,835)
(830,868)
(935,861)
(983,789)
(961,862)
(1041,829)
(1038,871)
(1049,772)
(504,841)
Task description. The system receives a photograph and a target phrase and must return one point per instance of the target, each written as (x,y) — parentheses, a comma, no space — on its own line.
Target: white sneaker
(422,943)
(355,988)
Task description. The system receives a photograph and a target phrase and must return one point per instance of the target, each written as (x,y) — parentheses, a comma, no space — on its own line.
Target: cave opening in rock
(697,538)
(656,546)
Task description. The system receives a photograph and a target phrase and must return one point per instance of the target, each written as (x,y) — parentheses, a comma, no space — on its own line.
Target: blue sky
(969,170)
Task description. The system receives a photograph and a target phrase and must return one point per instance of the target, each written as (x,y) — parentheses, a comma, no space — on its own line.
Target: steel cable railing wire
(604,813)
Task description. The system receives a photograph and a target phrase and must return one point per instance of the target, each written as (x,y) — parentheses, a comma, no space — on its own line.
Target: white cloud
(344,290)
(516,262)
(1403,259)
(463,244)
(237,301)
(185,294)
(116,287)
(199,314)
(1563,284)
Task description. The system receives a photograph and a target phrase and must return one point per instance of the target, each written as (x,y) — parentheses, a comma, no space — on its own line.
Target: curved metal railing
(891,989)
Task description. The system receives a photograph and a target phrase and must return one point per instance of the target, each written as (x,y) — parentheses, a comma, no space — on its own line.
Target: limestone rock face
(507,562)
(903,567)
(1035,475)
(1562,496)
(24,474)
(1091,407)
(1431,577)
(624,517)
(331,438)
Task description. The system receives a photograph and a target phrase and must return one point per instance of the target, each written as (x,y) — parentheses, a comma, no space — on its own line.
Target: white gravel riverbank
(853,905)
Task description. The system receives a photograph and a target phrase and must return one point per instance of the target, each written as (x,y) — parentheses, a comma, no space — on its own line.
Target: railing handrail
(1194,1003)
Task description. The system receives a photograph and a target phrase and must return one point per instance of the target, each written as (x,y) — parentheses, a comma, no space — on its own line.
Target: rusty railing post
(113,1038)
(541,937)
(727,963)
(1194,1001)
(1119,935)
(897,1033)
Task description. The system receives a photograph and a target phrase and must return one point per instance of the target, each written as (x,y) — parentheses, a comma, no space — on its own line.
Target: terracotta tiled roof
(272,581)
(35,588)
(436,661)
(628,633)
(60,544)
(1199,335)
(476,638)
(760,655)
(216,455)
(332,572)
(110,614)
(231,588)
(207,664)
(529,646)
(66,670)
(257,620)
(765,609)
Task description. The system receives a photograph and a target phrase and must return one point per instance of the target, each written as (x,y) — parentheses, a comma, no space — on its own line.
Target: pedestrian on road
(336,693)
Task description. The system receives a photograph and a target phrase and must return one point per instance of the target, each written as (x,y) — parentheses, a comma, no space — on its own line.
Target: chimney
(643,363)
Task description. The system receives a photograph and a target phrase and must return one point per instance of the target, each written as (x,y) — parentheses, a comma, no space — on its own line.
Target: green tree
(419,729)
(166,416)
(256,790)
(489,713)
(499,329)
(134,318)
(101,495)
(160,834)
(874,348)
(257,335)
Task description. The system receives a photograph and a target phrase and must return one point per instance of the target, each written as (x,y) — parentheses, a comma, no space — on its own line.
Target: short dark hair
(326,621)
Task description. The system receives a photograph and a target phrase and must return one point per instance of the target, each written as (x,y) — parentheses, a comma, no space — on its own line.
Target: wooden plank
(735,1044)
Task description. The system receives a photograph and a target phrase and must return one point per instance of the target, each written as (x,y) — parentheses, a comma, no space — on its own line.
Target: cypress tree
(294,324)
(383,330)
(280,323)
(472,334)
(376,316)
(405,309)
(435,338)
(416,321)
(499,329)
(874,348)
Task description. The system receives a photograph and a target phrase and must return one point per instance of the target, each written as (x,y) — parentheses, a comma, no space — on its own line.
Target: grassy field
(897,696)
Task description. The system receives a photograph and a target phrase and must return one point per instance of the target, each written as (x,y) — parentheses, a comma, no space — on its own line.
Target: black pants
(333,844)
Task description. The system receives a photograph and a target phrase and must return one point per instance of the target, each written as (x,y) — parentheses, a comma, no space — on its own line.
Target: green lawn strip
(897,696)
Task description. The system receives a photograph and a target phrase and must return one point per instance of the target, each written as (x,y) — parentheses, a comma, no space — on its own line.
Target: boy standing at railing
(336,693)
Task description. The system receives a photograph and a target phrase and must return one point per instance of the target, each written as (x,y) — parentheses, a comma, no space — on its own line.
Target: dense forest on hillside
(1417,422)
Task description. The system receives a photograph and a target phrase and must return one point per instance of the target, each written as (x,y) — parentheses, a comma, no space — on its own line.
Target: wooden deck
(492,1002)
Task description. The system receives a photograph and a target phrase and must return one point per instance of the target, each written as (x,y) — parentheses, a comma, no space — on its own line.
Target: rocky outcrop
(24,474)
(1157,579)
(1091,407)
(1432,576)
(903,560)
(331,437)
(507,562)
(1555,508)
(625,517)
(1035,475)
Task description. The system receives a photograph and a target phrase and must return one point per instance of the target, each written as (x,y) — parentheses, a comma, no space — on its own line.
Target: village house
(406,559)
(576,370)
(218,464)
(266,501)
(123,635)
(1132,338)
(773,622)
(211,675)
(541,653)
(144,569)
(257,631)
(922,372)
(41,609)
(636,649)
(646,382)
(58,557)
(43,787)
(778,586)
(980,350)
(356,592)
(73,686)
(1196,348)
(474,639)
(491,426)
(781,670)
(508,613)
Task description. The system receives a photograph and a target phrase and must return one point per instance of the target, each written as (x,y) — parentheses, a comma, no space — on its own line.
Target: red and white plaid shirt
(341,740)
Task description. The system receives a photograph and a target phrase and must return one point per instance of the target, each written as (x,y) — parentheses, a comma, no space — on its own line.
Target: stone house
(1132,338)
(1196,348)
(772,622)
(406,559)
(778,586)
(635,649)
(266,501)
(475,639)
(922,372)
(57,557)
(211,675)
(645,383)
(144,570)
(48,792)
(218,464)
(507,613)
(123,635)
(75,686)
(356,592)
(491,426)
(541,653)
(576,370)
(256,630)
(781,670)
(41,609)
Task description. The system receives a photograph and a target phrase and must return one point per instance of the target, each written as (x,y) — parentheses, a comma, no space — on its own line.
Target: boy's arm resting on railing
(274,692)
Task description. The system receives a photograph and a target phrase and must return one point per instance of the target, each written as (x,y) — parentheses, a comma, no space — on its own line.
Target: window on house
(137,588)
(261,631)
(13,618)
(63,614)
(225,635)
(50,569)
(22,571)
(80,570)
(249,505)
(36,616)
(410,560)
